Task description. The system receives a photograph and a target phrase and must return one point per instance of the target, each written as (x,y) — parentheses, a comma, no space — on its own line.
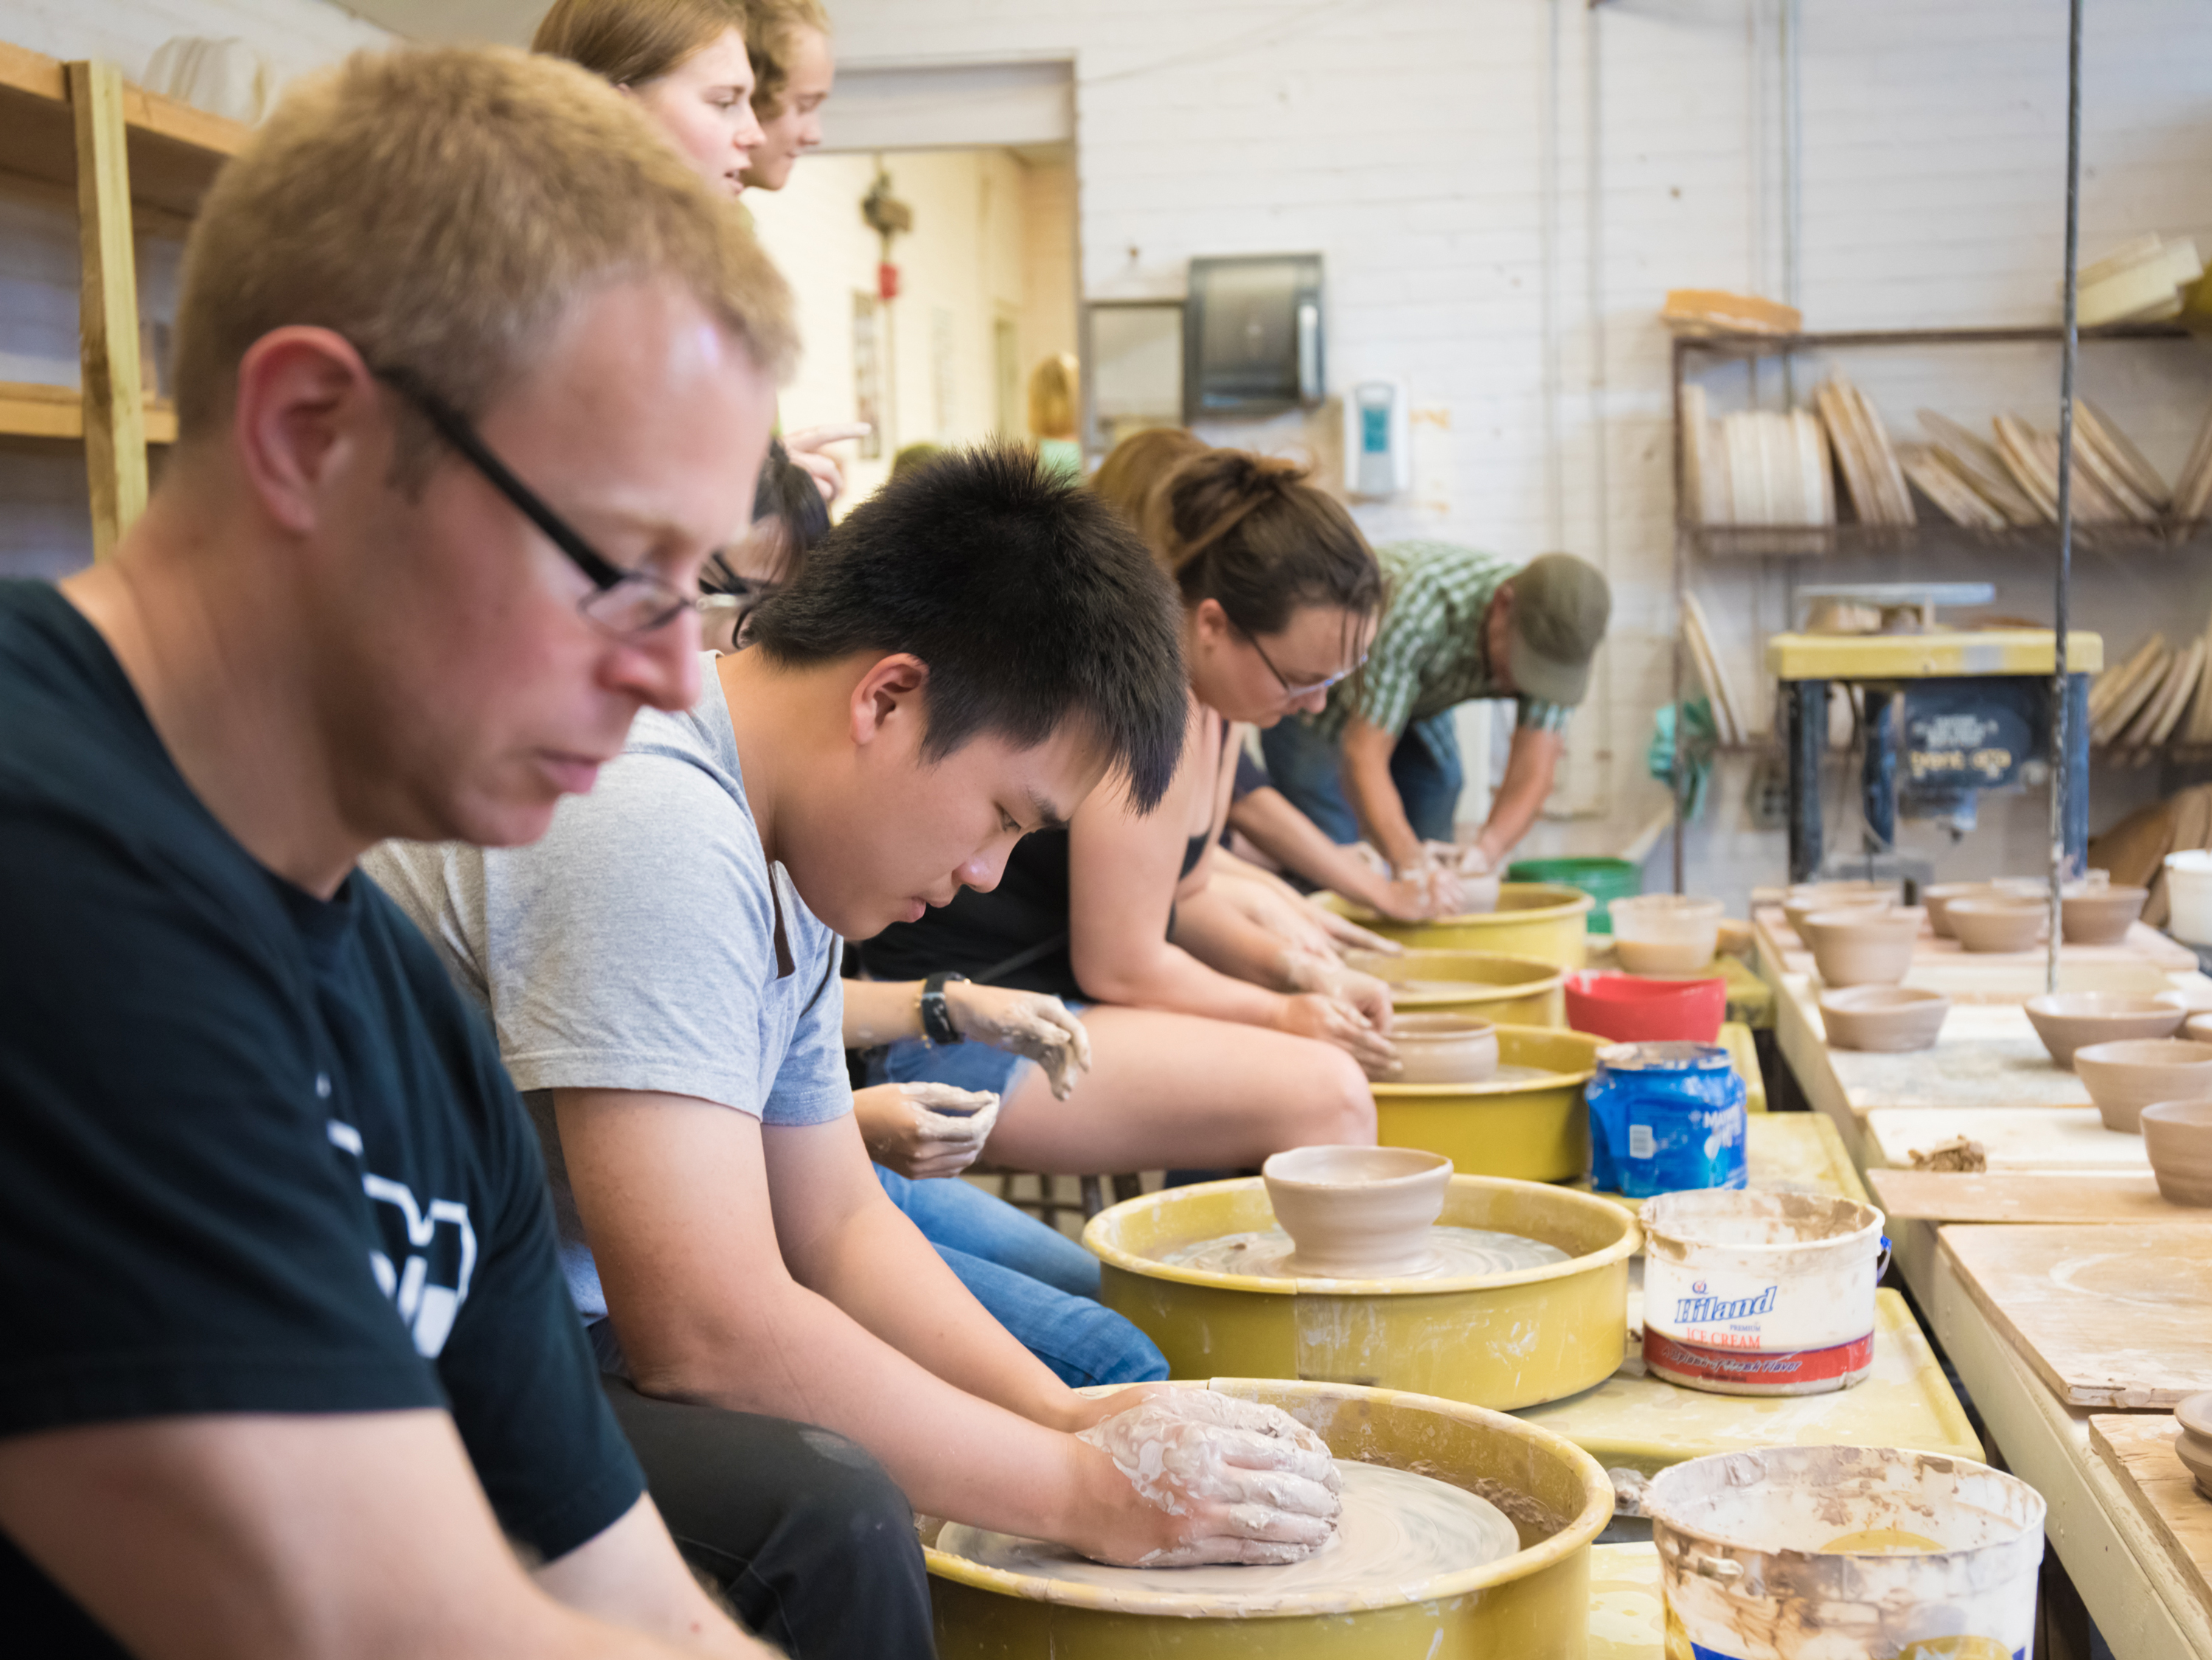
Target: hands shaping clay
(1028,1023)
(1258,1486)
(925,1131)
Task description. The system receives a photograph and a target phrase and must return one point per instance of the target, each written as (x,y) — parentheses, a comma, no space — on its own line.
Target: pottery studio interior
(1474,738)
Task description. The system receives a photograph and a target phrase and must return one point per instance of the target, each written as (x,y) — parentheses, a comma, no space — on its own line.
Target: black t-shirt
(256,1154)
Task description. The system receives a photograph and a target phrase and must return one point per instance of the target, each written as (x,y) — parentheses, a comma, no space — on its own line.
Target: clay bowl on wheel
(2193,1446)
(1801,905)
(2069,1021)
(1938,900)
(2099,916)
(1444,1049)
(1356,1213)
(1883,1020)
(1997,923)
(1863,946)
(2177,1136)
(2124,1077)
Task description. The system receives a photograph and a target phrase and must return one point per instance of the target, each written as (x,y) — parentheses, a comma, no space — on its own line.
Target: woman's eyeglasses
(624,603)
(1292,692)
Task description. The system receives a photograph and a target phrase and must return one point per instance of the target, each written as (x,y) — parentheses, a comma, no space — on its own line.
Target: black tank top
(1015,935)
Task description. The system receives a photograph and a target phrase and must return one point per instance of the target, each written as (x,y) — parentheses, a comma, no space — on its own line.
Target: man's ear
(305,405)
(888,698)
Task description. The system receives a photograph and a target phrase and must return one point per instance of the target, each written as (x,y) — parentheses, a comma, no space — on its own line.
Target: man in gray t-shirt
(972,651)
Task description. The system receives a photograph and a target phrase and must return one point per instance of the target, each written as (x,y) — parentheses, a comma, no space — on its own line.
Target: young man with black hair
(971,652)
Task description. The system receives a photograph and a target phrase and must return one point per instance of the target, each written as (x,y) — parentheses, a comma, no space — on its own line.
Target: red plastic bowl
(1630,1009)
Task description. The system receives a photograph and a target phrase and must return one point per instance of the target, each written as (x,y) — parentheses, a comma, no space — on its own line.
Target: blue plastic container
(1666,1118)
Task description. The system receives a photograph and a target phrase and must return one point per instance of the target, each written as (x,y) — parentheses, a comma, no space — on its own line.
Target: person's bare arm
(325,1537)
(1030,1024)
(1267,818)
(1375,799)
(1531,764)
(867,1332)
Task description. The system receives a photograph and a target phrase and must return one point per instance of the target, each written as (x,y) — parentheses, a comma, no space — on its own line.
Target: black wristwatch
(936,1018)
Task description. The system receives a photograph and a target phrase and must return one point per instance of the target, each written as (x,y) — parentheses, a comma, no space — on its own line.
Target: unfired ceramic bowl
(1996,923)
(1937,901)
(2177,1136)
(2124,1077)
(1665,933)
(2193,1444)
(1802,902)
(1865,945)
(2100,916)
(1444,1049)
(1883,1020)
(1356,1213)
(2068,1020)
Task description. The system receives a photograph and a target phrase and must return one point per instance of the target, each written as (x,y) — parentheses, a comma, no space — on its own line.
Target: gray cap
(1560,607)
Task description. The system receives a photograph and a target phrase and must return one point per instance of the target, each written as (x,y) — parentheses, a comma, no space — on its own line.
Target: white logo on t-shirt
(429,1309)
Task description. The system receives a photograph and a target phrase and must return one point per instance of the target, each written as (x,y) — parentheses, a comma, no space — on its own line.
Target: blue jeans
(1034,1281)
(1424,767)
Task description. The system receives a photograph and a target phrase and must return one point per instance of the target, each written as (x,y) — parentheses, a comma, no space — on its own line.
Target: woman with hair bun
(1212,1045)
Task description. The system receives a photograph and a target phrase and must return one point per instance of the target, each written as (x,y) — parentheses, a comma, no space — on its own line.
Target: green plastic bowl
(1604,879)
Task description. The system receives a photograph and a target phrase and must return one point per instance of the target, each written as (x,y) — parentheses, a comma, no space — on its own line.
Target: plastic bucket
(1845,1554)
(1604,879)
(1666,1117)
(1629,1010)
(1760,1293)
(2188,891)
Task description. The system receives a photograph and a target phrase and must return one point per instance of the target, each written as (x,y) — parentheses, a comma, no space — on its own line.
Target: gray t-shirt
(635,946)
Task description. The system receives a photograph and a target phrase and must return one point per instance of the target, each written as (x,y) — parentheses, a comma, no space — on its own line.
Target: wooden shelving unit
(136,163)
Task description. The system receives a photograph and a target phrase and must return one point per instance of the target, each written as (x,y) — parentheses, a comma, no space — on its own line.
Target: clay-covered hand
(1233,1480)
(1317,1014)
(924,1130)
(1347,935)
(1443,894)
(1295,924)
(1309,971)
(1468,860)
(806,446)
(1030,1024)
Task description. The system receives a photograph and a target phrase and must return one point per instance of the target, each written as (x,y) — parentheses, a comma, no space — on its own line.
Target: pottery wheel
(1397,1528)
(1453,1253)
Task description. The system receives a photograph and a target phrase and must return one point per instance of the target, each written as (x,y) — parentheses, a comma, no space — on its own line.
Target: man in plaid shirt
(1459,624)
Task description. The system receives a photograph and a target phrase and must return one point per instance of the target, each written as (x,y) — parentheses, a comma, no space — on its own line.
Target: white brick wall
(1410,142)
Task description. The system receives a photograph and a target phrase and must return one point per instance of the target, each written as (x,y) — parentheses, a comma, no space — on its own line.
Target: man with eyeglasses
(1382,758)
(472,375)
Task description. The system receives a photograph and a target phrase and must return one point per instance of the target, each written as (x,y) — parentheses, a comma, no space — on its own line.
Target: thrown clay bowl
(1799,907)
(1864,946)
(1444,1049)
(2193,1446)
(2177,1136)
(1665,933)
(2069,1021)
(1883,1020)
(2100,916)
(1937,900)
(1356,1213)
(1997,923)
(2124,1077)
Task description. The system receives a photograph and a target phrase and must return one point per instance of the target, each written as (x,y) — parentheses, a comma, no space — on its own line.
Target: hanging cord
(2062,782)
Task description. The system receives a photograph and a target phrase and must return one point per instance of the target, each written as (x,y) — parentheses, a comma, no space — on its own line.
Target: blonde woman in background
(1052,386)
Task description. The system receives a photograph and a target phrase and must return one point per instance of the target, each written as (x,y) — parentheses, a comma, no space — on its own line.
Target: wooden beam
(107,313)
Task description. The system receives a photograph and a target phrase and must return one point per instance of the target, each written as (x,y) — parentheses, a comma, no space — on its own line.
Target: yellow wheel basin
(1537,1129)
(1531,1605)
(1533,919)
(1501,1341)
(1516,991)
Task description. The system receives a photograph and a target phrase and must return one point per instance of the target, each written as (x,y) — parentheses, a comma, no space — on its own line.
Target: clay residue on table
(1452,1253)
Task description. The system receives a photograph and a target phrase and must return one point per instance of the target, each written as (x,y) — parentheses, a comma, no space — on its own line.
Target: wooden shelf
(28,410)
(1811,541)
(174,149)
(1736,344)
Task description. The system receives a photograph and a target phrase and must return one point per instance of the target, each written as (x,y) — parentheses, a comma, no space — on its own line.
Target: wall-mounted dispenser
(1377,439)
(1252,335)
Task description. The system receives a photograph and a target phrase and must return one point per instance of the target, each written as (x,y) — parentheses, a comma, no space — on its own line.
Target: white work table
(1988,1078)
